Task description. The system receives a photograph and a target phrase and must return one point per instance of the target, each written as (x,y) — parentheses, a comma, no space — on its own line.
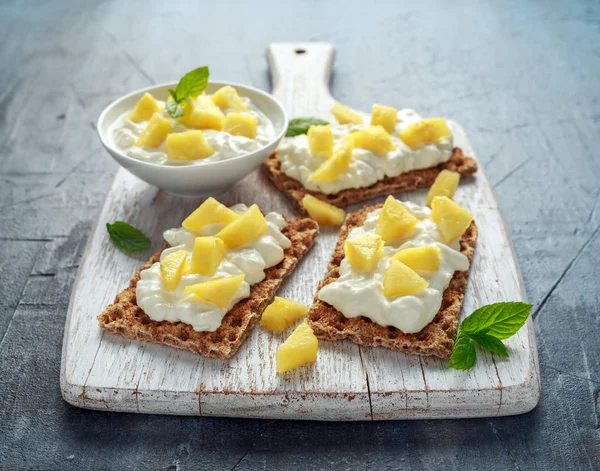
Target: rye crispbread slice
(437,338)
(125,317)
(407,181)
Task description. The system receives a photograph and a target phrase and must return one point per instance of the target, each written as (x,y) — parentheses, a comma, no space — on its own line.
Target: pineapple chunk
(324,213)
(227,97)
(394,220)
(155,132)
(385,116)
(451,220)
(426,131)
(332,168)
(144,109)
(281,314)
(189,145)
(217,292)
(375,139)
(345,115)
(249,226)
(299,349)
(400,280)
(444,185)
(202,113)
(171,269)
(364,252)
(207,255)
(209,212)
(320,141)
(241,124)
(420,258)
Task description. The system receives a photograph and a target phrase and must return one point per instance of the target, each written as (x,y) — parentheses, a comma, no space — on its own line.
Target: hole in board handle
(300,51)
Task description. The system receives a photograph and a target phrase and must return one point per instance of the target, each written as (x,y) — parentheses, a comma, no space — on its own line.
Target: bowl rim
(179,168)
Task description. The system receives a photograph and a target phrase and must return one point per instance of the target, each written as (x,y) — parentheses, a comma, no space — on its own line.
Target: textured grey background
(521,77)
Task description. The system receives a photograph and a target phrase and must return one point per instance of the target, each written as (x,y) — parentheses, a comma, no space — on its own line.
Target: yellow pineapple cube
(324,213)
(209,212)
(385,116)
(320,141)
(339,162)
(394,220)
(155,132)
(171,269)
(249,226)
(426,131)
(281,314)
(227,97)
(144,109)
(207,255)
(345,115)
(299,349)
(241,124)
(420,258)
(400,280)
(364,252)
(375,139)
(445,184)
(217,292)
(451,220)
(188,145)
(202,113)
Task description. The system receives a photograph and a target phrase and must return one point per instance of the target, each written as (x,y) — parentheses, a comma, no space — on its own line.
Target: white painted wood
(106,372)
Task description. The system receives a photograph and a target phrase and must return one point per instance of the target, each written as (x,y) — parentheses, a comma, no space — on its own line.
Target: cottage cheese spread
(356,293)
(251,259)
(366,167)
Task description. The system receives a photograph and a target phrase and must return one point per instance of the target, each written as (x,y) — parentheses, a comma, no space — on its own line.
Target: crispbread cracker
(407,181)
(125,317)
(437,338)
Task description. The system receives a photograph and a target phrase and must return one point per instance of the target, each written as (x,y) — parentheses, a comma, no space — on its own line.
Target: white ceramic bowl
(198,180)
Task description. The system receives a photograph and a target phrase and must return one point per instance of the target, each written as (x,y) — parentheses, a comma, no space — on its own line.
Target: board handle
(300,73)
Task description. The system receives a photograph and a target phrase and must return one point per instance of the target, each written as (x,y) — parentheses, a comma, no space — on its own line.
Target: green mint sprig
(487,327)
(191,84)
(299,126)
(127,237)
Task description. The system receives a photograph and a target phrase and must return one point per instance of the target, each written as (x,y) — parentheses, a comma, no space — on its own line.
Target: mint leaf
(500,320)
(127,237)
(192,84)
(174,109)
(463,355)
(491,344)
(299,126)
(173,94)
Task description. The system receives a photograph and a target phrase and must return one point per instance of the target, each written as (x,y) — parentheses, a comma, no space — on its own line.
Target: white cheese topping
(124,134)
(366,167)
(356,293)
(251,259)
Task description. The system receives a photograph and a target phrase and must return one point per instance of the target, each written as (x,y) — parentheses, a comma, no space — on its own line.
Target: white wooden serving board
(108,372)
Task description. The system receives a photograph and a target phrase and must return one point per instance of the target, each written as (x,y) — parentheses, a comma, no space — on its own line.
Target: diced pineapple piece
(444,185)
(420,258)
(281,314)
(375,139)
(299,349)
(144,109)
(217,292)
(385,116)
(324,213)
(345,115)
(155,132)
(171,269)
(320,141)
(426,131)
(339,162)
(207,255)
(202,113)
(249,226)
(394,220)
(400,280)
(451,220)
(188,145)
(209,212)
(227,97)
(241,124)
(364,251)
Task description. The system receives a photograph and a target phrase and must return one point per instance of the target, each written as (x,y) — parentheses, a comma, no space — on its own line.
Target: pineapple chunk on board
(281,314)
(299,349)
